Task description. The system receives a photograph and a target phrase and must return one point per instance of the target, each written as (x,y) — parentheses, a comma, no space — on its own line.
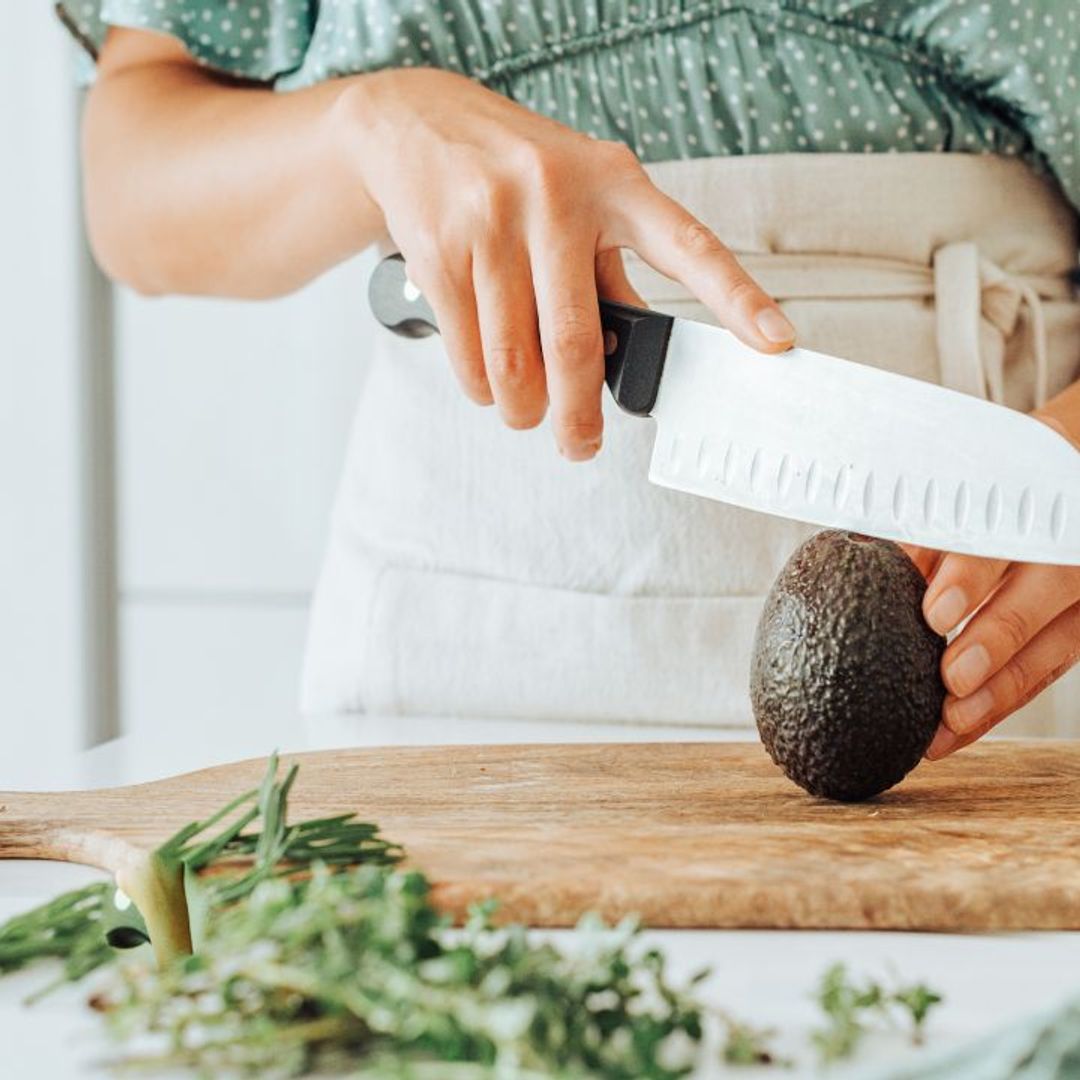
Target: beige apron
(472,571)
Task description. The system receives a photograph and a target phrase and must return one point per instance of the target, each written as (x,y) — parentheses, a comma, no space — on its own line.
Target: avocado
(845,678)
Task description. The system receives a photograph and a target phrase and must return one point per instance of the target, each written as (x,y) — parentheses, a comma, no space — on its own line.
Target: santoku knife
(820,439)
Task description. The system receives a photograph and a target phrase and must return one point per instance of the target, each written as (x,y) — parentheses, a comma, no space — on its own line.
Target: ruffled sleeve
(683,78)
(260,40)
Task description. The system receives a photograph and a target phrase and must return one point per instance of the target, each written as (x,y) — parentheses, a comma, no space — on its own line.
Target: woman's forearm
(511,222)
(197,186)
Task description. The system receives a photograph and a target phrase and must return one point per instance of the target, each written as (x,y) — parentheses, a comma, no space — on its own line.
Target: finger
(565,281)
(454,303)
(511,343)
(673,241)
(925,559)
(1045,659)
(946,742)
(612,282)
(959,584)
(1058,426)
(1030,597)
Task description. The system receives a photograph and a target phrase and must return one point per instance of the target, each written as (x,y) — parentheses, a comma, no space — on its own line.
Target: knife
(827,441)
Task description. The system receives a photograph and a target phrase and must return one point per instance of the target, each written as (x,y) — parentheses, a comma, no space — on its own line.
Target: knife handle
(635,339)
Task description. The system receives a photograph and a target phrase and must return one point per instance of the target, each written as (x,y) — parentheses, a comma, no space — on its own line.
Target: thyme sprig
(745,1044)
(359,966)
(847,1005)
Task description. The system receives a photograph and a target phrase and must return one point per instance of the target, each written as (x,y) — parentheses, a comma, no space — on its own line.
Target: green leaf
(76,927)
(846,1005)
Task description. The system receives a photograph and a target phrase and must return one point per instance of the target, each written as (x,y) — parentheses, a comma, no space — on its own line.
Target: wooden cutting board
(686,835)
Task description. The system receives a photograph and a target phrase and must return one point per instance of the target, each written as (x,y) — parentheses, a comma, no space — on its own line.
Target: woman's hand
(511,225)
(1024,633)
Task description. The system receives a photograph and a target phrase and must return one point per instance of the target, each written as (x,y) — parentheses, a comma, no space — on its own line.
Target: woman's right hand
(512,226)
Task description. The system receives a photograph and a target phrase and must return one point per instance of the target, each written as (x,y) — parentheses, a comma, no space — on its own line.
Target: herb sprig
(313,950)
(748,1045)
(359,965)
(84,928)
(847,1005)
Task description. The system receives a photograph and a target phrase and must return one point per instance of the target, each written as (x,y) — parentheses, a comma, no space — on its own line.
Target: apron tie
(1003,296)
(977,303)
(968,289)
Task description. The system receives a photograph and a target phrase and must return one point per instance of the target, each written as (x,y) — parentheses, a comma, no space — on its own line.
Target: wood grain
(686,835)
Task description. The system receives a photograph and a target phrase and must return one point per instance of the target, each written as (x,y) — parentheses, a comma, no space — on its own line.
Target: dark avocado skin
(845,678)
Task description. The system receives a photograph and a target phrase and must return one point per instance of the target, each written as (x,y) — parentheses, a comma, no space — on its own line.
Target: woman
(481,573)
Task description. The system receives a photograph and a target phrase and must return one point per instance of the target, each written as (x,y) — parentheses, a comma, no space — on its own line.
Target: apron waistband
(967,288)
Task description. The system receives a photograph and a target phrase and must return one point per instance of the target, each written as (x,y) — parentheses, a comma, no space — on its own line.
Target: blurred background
(167,466)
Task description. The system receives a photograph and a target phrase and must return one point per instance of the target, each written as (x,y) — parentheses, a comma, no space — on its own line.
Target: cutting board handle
(635,339)
(68,826)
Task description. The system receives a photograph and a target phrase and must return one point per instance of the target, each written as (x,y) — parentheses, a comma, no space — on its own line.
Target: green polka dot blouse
(685,78)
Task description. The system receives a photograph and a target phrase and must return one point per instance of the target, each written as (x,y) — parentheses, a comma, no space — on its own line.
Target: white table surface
(764,977)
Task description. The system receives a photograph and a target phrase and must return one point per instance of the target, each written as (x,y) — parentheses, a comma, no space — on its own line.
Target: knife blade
(819,439)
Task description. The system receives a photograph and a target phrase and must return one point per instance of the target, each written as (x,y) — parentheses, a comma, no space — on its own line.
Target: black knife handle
(637,338)
(635,364)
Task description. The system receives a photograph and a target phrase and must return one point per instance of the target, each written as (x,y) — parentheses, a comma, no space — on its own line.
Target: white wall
(232,420)
(166,467)
(44,681)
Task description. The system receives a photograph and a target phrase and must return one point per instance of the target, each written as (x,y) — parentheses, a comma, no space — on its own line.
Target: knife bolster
(636,363)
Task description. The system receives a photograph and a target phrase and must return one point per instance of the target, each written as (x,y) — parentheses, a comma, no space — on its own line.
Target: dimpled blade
(840,444)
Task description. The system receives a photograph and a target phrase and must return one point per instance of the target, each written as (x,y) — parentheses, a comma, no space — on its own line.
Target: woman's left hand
(1024,634)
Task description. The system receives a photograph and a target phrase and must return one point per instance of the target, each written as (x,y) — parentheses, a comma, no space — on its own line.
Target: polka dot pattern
(686,78)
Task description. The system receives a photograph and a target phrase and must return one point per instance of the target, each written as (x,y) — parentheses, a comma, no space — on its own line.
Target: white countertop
(763,977)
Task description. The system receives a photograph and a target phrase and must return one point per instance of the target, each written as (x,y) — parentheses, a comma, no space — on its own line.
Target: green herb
(69,928)
(846,1006)
(85,927)
(746,1045)
(359,966)
(313,950)
(918,1000)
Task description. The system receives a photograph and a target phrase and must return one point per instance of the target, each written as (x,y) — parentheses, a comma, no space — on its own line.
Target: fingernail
(774,326)
(964,715)
(583,452)
(943,743)
(968,671)
(947,610)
